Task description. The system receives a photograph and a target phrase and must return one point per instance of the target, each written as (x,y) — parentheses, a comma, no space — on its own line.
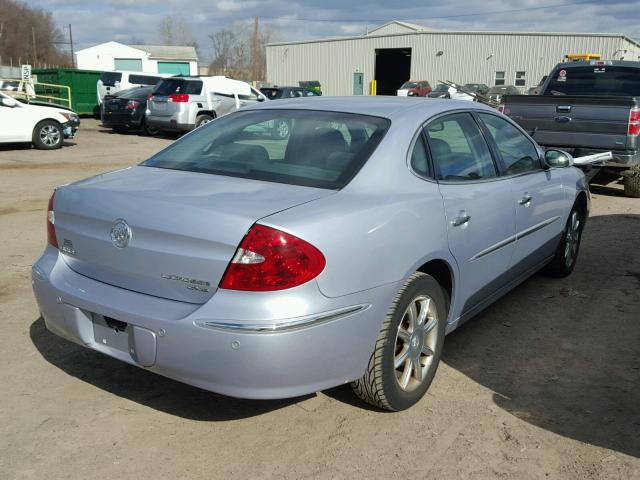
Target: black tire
(562,265)
(149,131)
(381,383)
(632,186)
(48,135)
(203,119)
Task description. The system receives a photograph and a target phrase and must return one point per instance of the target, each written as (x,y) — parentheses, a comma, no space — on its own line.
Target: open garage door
(393,68)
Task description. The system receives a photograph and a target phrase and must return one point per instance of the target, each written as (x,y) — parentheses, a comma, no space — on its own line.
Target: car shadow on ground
(564,354)
(144,387)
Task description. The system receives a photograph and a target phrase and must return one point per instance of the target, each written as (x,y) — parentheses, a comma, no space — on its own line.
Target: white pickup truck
(46,127)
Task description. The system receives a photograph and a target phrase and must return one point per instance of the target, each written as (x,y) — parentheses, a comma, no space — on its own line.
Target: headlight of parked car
(71,117)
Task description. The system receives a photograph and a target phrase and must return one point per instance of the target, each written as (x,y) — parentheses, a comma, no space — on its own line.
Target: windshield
(169,86)
(471,87)
(409,85)
(299,147)
(499,89)
(595,80)
(441,88)
(109,79)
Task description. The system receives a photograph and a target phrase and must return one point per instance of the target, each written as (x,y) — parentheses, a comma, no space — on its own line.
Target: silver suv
(180,104)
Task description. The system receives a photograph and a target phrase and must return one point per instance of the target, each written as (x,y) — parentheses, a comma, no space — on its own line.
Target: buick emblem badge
(120,233)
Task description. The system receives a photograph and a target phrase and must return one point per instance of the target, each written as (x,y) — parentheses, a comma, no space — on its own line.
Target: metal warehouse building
(399,51)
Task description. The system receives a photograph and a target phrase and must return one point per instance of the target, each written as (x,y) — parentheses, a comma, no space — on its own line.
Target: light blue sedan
(262,265)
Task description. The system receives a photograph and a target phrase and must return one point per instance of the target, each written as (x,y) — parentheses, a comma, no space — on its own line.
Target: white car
(46,127)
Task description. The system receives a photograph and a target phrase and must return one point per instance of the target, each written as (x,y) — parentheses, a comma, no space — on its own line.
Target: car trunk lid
(184,227)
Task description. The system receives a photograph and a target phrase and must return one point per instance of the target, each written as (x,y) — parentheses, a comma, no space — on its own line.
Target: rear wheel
(567,253)
(408,348)
(631,182)
(47,135)
(203,119)
(149,131)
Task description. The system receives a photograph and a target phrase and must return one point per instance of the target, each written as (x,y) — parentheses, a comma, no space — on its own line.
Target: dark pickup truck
(587,108)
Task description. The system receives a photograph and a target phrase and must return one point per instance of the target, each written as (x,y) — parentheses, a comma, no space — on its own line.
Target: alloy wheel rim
(572,239)
(415,343)
(49,135)
(283,129)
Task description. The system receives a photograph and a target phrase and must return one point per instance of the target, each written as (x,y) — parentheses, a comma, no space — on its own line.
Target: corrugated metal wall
(467,57)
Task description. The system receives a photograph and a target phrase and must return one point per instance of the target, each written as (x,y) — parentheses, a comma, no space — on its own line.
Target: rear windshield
(136,92)
(109,79)
(595,80)
(143,79)
(170,85)
(271,92)
(298,147)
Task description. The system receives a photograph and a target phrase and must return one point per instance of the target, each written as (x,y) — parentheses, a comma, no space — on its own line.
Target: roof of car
(379,106)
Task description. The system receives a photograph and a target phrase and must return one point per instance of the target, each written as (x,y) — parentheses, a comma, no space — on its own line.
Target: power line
(378,20)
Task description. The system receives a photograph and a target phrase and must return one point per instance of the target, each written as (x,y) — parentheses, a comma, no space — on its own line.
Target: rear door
(478,205)
(538,194)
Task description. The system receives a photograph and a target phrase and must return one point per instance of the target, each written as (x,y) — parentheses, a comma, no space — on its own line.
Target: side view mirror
(558,159)
(261,98)
(9,102)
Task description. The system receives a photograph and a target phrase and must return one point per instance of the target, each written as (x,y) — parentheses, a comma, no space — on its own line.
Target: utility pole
(35,51)
(255,50)
(73,60)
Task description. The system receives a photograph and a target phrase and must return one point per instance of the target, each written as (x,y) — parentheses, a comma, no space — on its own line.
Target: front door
(358,87)
(538,196)
(478,206)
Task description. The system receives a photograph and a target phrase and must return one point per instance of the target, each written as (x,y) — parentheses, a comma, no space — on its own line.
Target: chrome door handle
(461,219)
(525,200)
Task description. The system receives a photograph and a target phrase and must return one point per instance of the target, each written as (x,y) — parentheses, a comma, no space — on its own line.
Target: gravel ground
(544,384)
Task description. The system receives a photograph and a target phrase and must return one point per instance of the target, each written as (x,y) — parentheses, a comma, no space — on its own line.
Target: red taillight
(634,122)
(132,104)
(51,220)
(179,97)
(268,259)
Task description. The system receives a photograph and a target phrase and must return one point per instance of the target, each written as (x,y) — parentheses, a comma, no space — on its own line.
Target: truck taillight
(269,259)
(179,97)
(51,220)
(634,122)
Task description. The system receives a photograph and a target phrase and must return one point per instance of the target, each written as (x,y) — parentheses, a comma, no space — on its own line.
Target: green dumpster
(83,85)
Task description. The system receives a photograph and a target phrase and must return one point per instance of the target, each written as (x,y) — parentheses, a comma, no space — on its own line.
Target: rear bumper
(204,346)
(168,124)
(621,158)
(117,119)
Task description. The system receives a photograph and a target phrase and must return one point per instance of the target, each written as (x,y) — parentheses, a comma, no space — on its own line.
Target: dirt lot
(544,384)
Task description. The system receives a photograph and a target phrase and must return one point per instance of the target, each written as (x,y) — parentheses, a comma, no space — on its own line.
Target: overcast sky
(131,21)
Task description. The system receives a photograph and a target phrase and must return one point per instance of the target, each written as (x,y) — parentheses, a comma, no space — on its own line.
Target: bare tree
(239,51)
(22,28)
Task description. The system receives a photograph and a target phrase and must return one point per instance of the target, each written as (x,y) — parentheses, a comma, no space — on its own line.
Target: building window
(521,79)
(499,78)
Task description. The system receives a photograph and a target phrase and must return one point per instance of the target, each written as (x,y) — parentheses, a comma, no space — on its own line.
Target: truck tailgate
(563,121)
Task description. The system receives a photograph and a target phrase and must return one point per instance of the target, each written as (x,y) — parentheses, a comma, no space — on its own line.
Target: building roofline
(460,32)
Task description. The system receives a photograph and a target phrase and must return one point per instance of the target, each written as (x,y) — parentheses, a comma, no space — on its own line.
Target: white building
(139,58)
(399,51)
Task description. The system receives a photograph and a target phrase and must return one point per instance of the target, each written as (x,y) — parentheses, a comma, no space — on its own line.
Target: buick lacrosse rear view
(265,265)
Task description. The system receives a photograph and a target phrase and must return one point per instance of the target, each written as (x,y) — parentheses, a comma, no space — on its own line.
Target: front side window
(458,149)
(521,79)
(499,79)
(319,149)
(518,153)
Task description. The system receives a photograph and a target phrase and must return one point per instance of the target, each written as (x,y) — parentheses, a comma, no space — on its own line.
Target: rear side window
(419,158)
(458,149)
(299,147)
(595,80)
(169,86)
(109,79)
(518,154)
(143,79)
